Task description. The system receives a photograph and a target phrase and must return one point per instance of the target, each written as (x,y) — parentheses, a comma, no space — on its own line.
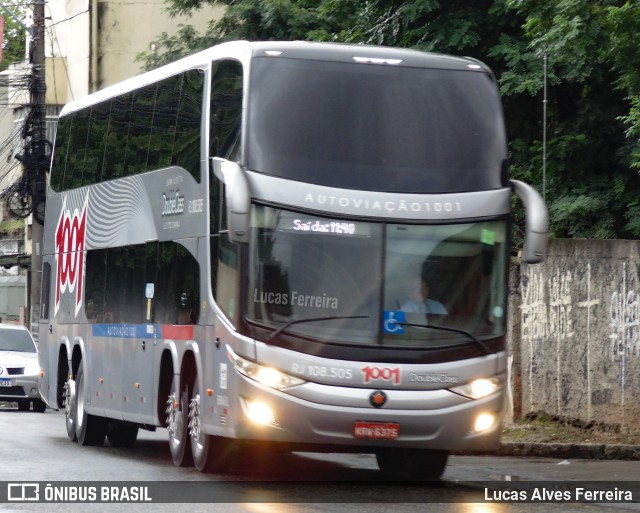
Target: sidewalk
(551,437)
(570,450)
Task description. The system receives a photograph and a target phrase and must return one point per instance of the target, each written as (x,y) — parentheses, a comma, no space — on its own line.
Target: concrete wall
(579,333)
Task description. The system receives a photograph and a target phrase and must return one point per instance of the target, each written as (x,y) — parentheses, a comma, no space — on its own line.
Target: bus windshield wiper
(483,347)
(287,325)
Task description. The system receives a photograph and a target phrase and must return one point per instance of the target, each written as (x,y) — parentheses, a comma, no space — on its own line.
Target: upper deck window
(150,128)
(375,127)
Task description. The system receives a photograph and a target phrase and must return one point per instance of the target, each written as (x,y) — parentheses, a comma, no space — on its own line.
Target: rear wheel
(177,421)
(210,453)
(70,409)
(90,429)
(423,464)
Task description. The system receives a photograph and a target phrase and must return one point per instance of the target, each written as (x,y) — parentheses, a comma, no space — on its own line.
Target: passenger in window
(186,314)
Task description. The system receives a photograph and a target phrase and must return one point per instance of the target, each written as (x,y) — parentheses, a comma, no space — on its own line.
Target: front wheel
(422,464)
(210,453)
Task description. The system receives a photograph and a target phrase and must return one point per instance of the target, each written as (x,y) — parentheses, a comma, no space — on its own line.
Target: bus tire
(121,434)
(90,429)
(210,453)
(70,410)
(177,426)
(421,464)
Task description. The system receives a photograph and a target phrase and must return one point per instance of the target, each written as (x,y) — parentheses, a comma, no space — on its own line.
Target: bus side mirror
(237,197)
(536,224)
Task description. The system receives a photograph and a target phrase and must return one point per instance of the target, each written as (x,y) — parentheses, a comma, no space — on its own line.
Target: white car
(19,368)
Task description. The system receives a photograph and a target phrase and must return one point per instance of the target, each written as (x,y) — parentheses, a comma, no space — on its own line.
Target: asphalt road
(34,448)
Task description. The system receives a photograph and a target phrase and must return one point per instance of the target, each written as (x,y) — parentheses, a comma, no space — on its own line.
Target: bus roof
(245,50)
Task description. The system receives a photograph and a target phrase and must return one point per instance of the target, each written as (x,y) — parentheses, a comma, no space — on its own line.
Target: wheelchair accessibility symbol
(392,322)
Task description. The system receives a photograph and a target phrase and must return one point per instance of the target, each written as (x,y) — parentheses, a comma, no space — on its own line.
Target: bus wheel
(121,434)
(423,464)
(90,429)
(70,410)
(177,420)
(210,453)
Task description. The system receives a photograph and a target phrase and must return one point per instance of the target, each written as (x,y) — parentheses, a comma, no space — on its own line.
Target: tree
(14,42)
(592,119)
(593,123)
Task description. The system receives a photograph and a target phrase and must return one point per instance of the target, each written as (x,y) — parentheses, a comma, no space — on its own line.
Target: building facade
(88,44)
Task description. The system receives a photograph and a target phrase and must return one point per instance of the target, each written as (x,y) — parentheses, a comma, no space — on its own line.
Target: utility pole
(37,153)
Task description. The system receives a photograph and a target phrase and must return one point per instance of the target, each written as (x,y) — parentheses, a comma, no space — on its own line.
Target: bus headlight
(259,412)
(479,388)
(483,422)
(267,376)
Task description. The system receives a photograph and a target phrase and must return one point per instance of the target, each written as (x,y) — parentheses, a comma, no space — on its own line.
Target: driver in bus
(422,303)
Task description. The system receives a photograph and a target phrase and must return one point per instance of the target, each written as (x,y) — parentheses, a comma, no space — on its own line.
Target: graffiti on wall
(581,336)
(624,321)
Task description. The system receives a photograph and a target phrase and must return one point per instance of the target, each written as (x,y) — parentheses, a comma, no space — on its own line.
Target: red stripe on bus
(177,332)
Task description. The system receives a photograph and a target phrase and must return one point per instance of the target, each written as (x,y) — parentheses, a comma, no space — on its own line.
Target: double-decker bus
(293,243)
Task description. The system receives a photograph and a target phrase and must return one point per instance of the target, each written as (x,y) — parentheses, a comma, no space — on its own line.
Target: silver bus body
(220,301)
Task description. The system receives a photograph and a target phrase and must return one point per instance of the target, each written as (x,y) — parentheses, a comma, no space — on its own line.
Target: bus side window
(140,130)
(165,118)
(60,153)
(226,109)
(96,141)
(176,285)
(78,143)
(115,158)
(96,285)
(186,148)
(45,291)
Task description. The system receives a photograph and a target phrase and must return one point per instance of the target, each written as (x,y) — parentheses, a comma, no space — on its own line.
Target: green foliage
(591,182)
(15,39)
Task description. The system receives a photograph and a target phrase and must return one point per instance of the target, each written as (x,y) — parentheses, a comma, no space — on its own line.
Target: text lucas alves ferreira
(562,492)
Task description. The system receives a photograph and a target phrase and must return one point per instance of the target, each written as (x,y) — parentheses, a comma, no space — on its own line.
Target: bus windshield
(375,127)
(373,283)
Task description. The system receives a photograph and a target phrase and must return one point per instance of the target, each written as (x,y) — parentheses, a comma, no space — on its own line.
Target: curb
(570,450)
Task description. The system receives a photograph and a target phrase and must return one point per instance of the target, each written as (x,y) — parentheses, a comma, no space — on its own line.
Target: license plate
(376,430)
(5,382)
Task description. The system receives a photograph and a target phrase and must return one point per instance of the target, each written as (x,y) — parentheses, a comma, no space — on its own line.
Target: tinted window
(117,279)
(45,291)
(226,109)
(151,128)
(96,143)
(60,153)
(177,285)
(186,150)
(118,139)
(375,127)
(76,153)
